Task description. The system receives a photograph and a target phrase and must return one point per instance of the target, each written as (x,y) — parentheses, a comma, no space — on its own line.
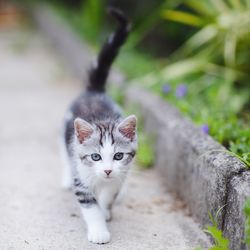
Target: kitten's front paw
(99,237)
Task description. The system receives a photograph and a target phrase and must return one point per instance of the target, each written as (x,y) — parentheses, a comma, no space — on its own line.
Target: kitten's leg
(105,201)
(92,214)
(96,224)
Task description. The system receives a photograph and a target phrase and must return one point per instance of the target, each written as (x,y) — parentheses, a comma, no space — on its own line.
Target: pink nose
(108,172)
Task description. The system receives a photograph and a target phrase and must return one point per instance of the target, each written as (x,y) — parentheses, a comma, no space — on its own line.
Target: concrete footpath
(35,90)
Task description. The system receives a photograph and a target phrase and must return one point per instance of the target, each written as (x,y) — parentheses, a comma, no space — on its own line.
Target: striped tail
(99,72)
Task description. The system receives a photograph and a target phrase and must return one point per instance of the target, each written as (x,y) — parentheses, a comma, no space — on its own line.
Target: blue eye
(118,156)
(96,157)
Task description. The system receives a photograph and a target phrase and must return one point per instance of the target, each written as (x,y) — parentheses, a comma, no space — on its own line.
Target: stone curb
(193,165)
(239,191)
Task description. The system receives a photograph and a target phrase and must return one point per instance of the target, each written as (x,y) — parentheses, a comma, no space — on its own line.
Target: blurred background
(194,54)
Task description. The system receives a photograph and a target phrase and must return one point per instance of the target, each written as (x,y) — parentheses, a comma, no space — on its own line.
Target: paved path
(35,213)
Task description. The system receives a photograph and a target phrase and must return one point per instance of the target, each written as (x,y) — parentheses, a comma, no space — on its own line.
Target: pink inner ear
(83,130)
(128,132)
(128,127)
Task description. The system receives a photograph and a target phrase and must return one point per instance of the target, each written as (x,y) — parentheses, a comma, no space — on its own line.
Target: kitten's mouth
(108,177)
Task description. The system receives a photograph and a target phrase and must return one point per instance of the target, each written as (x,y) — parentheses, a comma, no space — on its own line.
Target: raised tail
(100,69)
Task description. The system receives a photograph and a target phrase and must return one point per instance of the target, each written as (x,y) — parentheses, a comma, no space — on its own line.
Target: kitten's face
(106,150)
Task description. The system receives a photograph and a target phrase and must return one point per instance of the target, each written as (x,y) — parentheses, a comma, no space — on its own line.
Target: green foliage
(135,64)
(247,223)
(219,49)
(145,154)
(220,242)
(241,145)
(92,13)
(87,20)
(213,64)
(209,100)
(224,32)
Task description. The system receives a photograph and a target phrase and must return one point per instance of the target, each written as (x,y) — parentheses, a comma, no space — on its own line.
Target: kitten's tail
(100,70)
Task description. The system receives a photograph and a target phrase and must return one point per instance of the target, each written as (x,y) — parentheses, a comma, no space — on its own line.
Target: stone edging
(195,166)
(192,164)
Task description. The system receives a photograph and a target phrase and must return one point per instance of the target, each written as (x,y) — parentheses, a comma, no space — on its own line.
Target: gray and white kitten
(99,143)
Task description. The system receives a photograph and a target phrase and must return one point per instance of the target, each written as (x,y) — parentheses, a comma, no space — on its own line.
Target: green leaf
(200,38)
(219,5)
(182,68)
(230,49)
(237,4)
(183,17)
(201,7)
(220,242)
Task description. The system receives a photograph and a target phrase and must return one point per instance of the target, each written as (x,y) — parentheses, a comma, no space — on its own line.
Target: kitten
(99,143)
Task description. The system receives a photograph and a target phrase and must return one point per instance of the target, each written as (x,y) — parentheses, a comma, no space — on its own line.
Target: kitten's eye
(96,157)
(118,156)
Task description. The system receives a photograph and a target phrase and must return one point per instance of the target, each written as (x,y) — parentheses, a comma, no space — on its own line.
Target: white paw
(99,237)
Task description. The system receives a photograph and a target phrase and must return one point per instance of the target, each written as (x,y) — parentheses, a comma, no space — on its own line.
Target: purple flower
(166,88)
(204,128)
(181,90)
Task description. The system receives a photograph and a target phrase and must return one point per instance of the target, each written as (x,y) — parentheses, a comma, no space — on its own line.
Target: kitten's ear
(128,127)
(83,129)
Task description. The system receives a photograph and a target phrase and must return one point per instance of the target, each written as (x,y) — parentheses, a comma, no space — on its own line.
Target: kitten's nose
(108,172)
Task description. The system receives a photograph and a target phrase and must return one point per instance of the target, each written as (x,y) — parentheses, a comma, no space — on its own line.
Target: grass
(220,242)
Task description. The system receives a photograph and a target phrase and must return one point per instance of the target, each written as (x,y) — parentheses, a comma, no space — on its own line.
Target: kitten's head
(106,149)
